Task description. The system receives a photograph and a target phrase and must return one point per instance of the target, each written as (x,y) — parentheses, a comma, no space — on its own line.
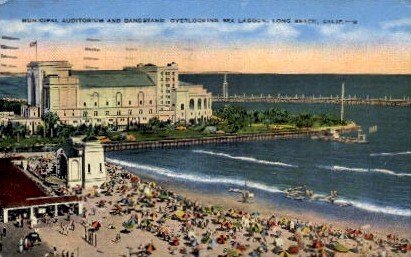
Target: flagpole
(36,50)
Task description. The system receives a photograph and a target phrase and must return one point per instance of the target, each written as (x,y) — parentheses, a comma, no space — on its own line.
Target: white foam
(390,154)
(196,178)
(244,158)
(381,209)
(363,170)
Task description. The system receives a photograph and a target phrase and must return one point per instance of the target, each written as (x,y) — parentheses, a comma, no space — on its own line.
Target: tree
(19,130)
(50,119)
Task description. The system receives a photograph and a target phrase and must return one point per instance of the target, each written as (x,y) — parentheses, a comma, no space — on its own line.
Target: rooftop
(113,78)
(18,190)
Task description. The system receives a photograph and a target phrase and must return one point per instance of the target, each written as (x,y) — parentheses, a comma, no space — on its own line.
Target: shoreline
(267,209)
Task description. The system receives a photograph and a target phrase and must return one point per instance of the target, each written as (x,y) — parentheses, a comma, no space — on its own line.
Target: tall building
(118,98)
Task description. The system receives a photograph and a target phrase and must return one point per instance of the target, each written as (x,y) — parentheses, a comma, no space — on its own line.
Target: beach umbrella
(175,241)
(369,236)
(206,239)
(293,249)
(284,254)
(150,248)
(340,248)
(305,230)
(96,225)
(231,252)
(317,244)
(128,225)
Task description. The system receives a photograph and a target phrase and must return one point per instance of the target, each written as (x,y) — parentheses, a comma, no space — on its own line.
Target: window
(141,102)
(88,168)
(182,106)
(150,111)
(191,104)
(140,111)
(129,102)
(107,112)
(72,114)
(130,112)
(64,113)
(106,102)
(199,104)
(95,113)
(101,167)
(118,103)
(205,103)
(95,103)
(84,104)
(118,112)
(151,102)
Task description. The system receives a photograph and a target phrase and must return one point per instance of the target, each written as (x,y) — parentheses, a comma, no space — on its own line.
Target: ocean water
(375,178)
(395,86)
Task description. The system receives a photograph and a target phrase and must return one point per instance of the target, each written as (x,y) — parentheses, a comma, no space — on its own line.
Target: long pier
(173,143)
(386,101)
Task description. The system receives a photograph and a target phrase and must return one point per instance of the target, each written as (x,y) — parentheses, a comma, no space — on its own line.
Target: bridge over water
(385,101)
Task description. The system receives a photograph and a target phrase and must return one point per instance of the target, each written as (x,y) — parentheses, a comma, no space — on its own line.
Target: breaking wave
(196,178)
(244,158)
(375,208)
(383,171)
(255,185)
(390,154)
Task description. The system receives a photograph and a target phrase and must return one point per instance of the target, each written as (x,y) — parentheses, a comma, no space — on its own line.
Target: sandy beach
(133,217)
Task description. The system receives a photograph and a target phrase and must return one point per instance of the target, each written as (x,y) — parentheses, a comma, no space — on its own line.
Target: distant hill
(14,86)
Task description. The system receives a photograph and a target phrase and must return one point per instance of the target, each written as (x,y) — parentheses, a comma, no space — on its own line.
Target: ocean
(375,178)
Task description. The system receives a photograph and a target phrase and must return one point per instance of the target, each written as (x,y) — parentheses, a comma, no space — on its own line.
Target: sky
(341,36)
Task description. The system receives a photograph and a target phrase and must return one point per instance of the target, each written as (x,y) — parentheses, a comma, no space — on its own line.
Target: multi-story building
(125,97)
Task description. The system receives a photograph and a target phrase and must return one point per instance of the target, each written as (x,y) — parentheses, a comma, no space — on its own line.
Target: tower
(342,103)
(225,86)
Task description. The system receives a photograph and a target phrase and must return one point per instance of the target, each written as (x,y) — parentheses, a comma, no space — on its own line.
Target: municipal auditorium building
(118,98)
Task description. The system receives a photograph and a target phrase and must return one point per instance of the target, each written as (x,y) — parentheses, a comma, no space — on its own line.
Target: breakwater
(169,143)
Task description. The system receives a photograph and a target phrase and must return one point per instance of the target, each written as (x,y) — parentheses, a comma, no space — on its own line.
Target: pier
(349,100)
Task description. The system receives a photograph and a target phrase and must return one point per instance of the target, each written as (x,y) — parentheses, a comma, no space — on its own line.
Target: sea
(374,178)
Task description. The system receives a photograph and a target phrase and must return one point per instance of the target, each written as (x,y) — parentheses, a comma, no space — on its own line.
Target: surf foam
(196,178)
(245,158)
(363,170)
(390,154)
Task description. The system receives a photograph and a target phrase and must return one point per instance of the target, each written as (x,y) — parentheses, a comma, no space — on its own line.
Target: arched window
(205,103)
(140,98)
(182,107)
(191,104)
(119,99)
(199,103)
(95,98)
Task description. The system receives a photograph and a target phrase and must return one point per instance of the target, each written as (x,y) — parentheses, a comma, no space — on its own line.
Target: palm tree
(19,130)
(50,121)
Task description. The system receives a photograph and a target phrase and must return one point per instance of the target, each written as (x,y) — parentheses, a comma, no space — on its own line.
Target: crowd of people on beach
(189,228)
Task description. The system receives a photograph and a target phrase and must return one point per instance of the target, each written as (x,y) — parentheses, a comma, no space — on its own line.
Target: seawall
(170,143)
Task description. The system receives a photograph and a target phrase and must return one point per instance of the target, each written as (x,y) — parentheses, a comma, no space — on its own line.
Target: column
(56,211)
(31,213)
(5,215)
(80,208)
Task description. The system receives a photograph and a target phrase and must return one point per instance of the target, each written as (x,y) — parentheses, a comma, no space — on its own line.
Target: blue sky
(387,22)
